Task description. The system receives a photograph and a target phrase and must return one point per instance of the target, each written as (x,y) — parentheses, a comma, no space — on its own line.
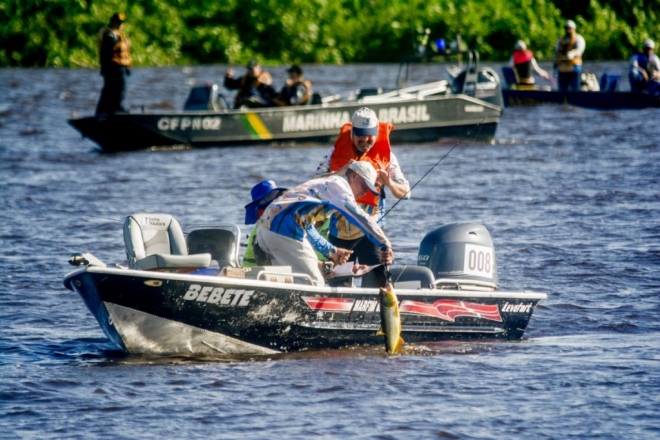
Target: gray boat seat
(157,242)
(412,277)
(222,242)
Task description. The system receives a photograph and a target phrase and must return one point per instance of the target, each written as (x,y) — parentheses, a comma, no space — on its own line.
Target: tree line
(64,33)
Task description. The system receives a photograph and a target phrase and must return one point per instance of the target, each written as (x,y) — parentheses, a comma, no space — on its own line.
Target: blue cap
(259,192)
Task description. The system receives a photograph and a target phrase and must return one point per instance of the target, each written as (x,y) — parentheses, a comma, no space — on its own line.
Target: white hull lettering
(218,295)
(404,114)
(362,305)
(185,123)
(314,121)
(517,308)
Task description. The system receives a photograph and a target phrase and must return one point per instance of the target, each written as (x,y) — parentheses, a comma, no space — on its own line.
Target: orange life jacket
(562,61)
(378,155)
(120,53)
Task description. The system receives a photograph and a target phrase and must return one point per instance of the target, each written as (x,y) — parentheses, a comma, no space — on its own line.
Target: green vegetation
(63,33)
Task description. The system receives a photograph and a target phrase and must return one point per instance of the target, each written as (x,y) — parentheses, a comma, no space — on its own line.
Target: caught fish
(390,322)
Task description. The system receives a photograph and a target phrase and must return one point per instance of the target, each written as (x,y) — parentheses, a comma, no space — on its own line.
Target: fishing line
(480,126)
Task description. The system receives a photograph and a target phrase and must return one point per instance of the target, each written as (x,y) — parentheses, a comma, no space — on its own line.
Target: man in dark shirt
(115,61)
(254,88)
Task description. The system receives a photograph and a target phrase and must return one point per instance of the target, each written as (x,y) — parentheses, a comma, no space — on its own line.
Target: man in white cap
(525,65)
(644,74)
(286,233)
(365,138)
(568,58)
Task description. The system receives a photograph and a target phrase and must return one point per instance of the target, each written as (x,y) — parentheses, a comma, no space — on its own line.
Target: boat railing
(465,284)
(413,92)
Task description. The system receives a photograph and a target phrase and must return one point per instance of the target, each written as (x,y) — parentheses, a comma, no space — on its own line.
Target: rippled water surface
(571,198)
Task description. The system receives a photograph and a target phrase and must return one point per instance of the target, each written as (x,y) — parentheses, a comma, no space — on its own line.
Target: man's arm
(394,179)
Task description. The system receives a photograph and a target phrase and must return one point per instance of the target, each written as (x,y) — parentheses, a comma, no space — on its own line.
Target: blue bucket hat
(259,192)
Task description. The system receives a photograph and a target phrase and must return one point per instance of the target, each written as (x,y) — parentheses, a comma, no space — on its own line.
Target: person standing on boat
(365,138)
(115,62)
(644,74)
(297,89)
(568,59)
(285,230)
(262,194)
(525,65)
(255,88)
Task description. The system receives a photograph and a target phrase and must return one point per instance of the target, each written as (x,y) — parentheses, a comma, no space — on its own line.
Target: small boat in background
(421,113)
(192,297)
(607,98)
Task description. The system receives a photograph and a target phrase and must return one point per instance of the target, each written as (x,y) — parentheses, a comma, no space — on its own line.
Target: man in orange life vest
(115,61)
(568,59)
(366,139)
(525,65)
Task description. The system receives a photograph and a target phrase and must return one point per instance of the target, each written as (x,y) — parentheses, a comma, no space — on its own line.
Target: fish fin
(380,332)
(398,345)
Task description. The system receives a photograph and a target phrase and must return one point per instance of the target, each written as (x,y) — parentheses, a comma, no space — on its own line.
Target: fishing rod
(479,125)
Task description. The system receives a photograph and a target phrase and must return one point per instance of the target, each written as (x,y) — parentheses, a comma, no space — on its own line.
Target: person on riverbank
(644,74)
(524,64)
(115,61)
(365,138)
(255,88)
(296,91)
(568,58)
(286,233)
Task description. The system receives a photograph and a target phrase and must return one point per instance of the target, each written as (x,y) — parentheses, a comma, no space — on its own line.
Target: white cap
(367,172)
(569,24)
(520,45)
(365,122)
(648,43)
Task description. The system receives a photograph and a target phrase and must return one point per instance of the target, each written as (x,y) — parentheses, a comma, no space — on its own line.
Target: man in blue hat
(262,194)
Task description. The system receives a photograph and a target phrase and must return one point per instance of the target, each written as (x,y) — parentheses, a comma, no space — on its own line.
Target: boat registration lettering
(517,308)
(218,295)
(186,123)
(478,260)
(474,109)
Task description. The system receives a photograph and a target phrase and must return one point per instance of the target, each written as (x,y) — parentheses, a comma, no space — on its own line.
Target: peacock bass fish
(390,321)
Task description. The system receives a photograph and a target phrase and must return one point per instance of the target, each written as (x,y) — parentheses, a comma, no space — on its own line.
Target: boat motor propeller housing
(460,254)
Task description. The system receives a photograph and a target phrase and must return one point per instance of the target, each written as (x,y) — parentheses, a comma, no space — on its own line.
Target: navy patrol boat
(470,106)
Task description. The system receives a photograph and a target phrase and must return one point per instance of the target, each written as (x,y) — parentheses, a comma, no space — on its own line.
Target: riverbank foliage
(63,33)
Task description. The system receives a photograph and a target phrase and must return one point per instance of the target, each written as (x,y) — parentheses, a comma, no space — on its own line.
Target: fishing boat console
(183,292)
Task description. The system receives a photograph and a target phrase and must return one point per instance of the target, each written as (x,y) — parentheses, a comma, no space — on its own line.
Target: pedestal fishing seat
(157,242)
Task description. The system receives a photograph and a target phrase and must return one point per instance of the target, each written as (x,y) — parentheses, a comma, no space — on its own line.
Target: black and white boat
(183,293)
(420,113)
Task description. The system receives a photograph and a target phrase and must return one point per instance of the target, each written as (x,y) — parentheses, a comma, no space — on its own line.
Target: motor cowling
(459,255)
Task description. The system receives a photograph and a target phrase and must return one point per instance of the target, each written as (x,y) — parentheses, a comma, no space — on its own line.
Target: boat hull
(592,100)
(426,120)
(167,313)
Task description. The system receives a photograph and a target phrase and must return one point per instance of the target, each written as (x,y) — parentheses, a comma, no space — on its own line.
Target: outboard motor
(460,255)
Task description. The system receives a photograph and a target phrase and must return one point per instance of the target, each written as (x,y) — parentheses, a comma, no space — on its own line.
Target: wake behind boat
(192,298)
(421,113)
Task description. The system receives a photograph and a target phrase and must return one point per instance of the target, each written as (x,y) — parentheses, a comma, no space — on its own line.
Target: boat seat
(223,244)
(157,242)
(316,99)
(609,82)
(412,277)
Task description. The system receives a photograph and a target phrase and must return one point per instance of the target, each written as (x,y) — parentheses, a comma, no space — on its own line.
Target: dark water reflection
(570,196)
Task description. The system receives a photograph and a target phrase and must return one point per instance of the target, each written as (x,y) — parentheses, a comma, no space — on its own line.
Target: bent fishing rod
(479,126)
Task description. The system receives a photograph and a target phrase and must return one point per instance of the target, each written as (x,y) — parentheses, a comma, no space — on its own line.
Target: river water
(570,196)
